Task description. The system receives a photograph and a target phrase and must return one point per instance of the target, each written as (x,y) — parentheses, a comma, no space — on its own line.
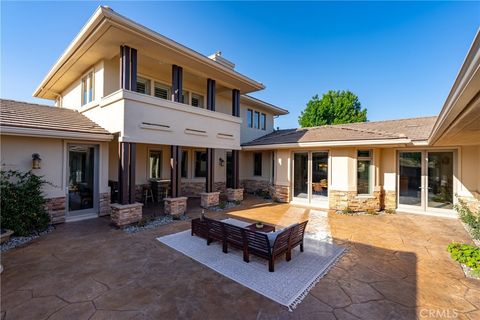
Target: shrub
(469,218)
(347,210)
(390,211)
(466,254)
(22,202)
(371,212)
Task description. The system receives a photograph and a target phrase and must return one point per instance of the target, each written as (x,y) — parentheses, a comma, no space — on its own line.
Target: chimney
(217,57)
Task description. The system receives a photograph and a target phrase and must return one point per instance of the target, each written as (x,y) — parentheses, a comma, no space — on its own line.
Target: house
(136,111)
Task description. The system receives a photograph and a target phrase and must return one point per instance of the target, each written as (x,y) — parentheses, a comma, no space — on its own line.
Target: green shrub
(222,205)
(347,210)
(371,212)
(22,202)
(469,218)
(466,254)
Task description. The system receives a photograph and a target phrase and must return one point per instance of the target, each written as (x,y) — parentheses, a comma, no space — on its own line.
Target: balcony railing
(147,119)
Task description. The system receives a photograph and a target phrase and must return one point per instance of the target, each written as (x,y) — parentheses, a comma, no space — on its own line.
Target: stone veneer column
(341,200)
(104,204)
(175,206)
(125,214)
(234,194)
(280,193)
(209,199)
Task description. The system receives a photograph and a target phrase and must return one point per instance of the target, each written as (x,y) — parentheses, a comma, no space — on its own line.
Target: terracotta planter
(4,237)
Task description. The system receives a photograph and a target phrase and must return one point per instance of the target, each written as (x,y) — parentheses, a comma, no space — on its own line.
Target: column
(210,169)
(123,169)
(211,94)
(128,68)
(177,83)
(131,176)
(175,170)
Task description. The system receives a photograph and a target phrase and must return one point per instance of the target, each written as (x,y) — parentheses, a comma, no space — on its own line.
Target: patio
(396,267)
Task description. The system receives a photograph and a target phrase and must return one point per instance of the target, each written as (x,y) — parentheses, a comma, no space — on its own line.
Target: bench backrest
(234,233)
(257,241)
(281,242)
(215,227)
(298,231)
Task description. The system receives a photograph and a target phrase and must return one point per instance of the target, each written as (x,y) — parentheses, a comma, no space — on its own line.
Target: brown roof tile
(412,128)
(29,115)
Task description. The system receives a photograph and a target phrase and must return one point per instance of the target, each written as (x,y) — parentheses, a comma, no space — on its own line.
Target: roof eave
(277,110)
(60,134)
(338,143)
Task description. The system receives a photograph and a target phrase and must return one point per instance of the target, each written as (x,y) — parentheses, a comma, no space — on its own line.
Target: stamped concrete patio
(396,268)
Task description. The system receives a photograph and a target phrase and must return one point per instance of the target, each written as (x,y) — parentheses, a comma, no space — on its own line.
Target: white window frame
(371,169)
(150,88)
(89,81)
(158,84)
(202,96)
(149,170)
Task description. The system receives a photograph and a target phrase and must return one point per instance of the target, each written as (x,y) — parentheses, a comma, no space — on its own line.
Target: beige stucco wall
(16,154)
(469,175)
(248,134)
(246,166)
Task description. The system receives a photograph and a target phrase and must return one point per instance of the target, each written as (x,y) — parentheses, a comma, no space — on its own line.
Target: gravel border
(19,241)
(226,206)
(154,223)
(468,272)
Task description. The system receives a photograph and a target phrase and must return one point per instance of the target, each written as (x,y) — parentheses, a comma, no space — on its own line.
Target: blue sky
(400,58)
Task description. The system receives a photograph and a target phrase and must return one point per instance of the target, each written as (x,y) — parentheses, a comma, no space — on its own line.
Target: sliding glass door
(310,177)
(425,180)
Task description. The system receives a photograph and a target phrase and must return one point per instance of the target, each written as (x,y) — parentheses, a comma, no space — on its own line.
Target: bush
(22,202)
(469,218)
(466,254)
(390,211)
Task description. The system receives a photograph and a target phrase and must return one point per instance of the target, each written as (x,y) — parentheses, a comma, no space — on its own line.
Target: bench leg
(225,247)
(271,264)
(246,256)
(288,255)
(301,247)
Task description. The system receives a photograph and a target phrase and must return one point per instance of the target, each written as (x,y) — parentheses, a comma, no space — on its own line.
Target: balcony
(142,118)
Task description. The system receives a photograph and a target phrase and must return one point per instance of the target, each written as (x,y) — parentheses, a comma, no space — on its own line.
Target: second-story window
(87,88)
(185,97)
(263,121)
(161,91)
(250,118)
(197,100)
(256,120)
(143,85)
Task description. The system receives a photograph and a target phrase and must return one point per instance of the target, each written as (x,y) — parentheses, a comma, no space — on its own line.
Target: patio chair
(296,238)
(258,243)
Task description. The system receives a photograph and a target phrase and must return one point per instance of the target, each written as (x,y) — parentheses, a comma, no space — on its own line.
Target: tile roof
(413,128)
(36,116)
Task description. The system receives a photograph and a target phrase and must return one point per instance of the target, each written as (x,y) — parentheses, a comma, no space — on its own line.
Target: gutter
(344,143)
(46,133)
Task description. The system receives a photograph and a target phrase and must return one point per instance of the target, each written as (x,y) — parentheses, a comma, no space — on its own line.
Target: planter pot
(5,236)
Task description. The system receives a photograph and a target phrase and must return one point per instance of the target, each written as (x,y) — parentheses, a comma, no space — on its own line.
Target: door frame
(96,177)
(309,200)
(424,208)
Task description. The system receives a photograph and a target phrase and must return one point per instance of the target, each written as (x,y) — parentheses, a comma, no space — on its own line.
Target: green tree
(335,107)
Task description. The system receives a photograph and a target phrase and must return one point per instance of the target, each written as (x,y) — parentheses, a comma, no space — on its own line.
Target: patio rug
(290,282)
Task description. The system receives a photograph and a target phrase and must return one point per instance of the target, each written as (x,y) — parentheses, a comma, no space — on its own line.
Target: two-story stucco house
(136,112)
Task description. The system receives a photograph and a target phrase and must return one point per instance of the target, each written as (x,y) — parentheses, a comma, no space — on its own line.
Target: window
(364,172)
(257,164)
(263,121)
(200,164)
(87,88)
(155,164)
(161,91)
(250,118)
(184,164)
(197,100)
(256,120)
(185,97)
(143,85)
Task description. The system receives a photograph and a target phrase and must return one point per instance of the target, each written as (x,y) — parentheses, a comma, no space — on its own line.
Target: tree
(335,107)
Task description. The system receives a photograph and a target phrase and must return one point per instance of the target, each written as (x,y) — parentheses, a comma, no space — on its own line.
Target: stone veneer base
(280,193)
(125,214)
(234,194)
(175,206)
(209,199)
(56,208)
(340,200)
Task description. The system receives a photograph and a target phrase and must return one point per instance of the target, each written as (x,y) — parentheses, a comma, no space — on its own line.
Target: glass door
(319,185)
(440,180)
(410,182)
(82,179)
(426,180)
(300,176)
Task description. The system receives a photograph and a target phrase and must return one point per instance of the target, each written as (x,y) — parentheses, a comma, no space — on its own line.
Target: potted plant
(259,225)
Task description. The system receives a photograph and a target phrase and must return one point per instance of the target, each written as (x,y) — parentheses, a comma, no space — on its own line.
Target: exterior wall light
(222,162)
(36,161)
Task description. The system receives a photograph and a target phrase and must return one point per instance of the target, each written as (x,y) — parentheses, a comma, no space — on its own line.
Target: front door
(425,180)
(82,180)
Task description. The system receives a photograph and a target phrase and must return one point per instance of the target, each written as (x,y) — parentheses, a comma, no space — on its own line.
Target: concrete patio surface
(396,267)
